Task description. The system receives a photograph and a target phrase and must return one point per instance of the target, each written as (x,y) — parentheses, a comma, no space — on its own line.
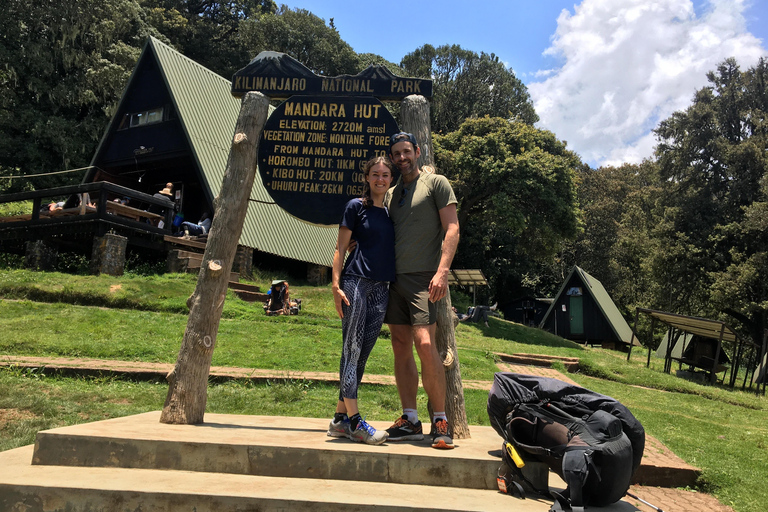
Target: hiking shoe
(404,430)
(339,429)
(364,433)
(441,435)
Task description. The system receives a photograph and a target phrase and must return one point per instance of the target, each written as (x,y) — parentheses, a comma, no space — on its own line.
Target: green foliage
(140,264)
(65,65)
(620,209)
(15,208)
(9,261)
(303,36)
(516,187)
(713,153)
(208,32)
(467,85)
(687,232)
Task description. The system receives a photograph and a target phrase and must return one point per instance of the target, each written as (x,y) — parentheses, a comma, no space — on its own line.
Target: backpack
(590,440)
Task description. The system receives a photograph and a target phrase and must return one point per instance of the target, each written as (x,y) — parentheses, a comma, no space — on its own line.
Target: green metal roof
(612,315)
(208,114)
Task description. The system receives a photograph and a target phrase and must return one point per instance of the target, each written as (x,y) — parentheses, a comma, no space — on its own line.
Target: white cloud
(628,65)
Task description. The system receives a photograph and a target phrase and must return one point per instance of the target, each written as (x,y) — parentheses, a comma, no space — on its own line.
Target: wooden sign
(312,151)
(315,143)
(280,76)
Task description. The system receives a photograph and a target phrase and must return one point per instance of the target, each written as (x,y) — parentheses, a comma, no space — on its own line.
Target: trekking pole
(654,507)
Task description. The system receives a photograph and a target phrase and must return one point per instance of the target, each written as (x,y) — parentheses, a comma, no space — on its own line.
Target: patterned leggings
(360,328)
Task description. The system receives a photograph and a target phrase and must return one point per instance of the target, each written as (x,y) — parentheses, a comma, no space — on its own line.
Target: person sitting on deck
(165,193)
(52,207)
(191,229)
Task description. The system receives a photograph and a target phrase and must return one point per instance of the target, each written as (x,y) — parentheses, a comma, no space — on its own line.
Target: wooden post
(414,115)
(188,381)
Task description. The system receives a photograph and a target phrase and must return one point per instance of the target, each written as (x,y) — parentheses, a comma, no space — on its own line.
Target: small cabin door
(577,314)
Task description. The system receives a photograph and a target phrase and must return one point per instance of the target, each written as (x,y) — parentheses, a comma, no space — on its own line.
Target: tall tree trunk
(188,381)
(415,119)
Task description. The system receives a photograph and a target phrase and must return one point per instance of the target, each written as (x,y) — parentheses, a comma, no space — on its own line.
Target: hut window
(145,117)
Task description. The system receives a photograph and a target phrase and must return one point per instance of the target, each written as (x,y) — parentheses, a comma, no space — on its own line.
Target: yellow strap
(515,456)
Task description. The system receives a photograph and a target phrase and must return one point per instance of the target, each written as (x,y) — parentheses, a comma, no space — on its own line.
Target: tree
(619,212)
(64,67)
(208,31)
(712,156)
(303,36)
(741,288)
(367,59)
(466,85)
(516,187)
(188,381)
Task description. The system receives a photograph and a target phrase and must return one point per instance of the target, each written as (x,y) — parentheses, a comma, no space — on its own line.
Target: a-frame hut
(583,311)
(174,124)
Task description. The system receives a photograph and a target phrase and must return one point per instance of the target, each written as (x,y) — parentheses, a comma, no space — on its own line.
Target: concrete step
(239,463)
(299,448)
(83,489)
(269,446)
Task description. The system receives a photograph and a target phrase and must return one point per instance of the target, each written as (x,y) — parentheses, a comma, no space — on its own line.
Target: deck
(97,215)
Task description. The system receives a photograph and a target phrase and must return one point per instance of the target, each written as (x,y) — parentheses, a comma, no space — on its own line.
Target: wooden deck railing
(97,202)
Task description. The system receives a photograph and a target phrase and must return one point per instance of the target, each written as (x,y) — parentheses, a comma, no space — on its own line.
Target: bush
(11,261)
(140,265)
(72,263)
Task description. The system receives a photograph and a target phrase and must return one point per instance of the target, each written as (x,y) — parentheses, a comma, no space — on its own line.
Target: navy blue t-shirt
(374,256)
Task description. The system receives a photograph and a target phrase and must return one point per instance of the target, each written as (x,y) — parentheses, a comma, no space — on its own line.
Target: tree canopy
(466,85)
(516,187)
(686,231)
(303,36)
(64,67)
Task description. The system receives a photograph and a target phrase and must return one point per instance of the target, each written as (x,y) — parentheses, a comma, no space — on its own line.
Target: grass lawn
(723,432)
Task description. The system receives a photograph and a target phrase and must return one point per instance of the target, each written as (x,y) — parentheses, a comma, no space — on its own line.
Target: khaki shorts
(409,300)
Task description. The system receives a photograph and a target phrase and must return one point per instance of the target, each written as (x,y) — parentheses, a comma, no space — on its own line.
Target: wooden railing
(97,201)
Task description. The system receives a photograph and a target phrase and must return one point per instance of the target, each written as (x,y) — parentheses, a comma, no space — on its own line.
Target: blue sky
(602,73)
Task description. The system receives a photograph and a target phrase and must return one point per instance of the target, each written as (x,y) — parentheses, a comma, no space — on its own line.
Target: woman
(360,293)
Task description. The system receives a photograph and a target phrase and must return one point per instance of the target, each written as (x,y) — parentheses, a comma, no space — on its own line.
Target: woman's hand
(338,297)
(342,243)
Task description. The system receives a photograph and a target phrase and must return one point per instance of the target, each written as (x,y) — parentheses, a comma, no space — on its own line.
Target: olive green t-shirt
(418,230)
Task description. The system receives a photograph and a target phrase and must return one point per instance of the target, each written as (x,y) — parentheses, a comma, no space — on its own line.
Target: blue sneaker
(364,433)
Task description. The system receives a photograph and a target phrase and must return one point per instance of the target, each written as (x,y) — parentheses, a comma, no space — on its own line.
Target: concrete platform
(660,466)
(239,463)
(268,446)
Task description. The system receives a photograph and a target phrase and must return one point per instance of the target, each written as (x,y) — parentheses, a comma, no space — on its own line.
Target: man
(423,209)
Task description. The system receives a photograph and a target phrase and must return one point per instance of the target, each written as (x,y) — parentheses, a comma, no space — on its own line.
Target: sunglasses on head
(402,197)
